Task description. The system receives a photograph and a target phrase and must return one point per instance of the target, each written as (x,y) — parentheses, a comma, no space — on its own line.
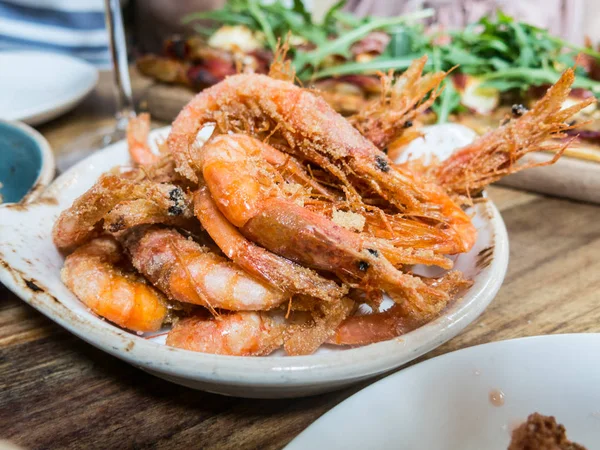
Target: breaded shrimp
(314,131)
(279,272)
(90,272)
(187,272)
(237,334)
(309,125)
(243,186)
(77,224)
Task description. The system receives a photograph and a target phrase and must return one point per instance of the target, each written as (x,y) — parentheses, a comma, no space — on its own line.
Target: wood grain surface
(56,391)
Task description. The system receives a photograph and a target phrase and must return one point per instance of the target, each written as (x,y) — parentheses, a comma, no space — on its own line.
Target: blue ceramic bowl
(26,162)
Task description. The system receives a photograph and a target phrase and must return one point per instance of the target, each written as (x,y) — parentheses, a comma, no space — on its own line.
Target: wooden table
(56,391)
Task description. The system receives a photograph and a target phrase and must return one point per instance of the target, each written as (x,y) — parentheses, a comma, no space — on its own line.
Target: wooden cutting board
(164,102)
(572,178)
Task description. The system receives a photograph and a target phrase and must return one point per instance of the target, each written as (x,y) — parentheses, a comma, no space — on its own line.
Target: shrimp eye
(373,252)
(408,124)
(363,266)
(175,211)
(177,197)
(518,110)
(117,225)
(381,163)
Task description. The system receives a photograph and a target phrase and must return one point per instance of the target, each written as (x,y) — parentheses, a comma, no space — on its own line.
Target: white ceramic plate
(30,265)
(38,86)
(444,403)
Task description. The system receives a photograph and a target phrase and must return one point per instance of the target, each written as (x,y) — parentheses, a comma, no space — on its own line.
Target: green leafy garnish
(506,54)
(341,45)
(255,10)
(375,65)
(332,37)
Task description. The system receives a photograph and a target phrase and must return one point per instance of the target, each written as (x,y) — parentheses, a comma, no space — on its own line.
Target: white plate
(30,257)
(444,403)
(38,86)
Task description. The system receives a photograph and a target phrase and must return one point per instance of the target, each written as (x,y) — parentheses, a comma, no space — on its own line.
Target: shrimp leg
(402,100)
(395,321)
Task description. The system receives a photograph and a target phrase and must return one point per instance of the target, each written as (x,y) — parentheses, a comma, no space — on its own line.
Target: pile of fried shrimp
(276,230)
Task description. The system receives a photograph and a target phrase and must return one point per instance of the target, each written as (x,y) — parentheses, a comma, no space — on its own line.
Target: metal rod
(118,50)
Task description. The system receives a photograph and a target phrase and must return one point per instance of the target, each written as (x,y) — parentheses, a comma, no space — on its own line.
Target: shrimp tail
(138,130)
(371,328)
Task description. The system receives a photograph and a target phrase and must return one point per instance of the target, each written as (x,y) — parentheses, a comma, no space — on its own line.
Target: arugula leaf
(377,64)
(492,44)
(575,48)
(330,16)
(347,19)
(401,43)
(301,9)
(502,85)
(341,45)
(449,101)
(526,55)
(255,10)
(536,77)
(462,57)
(205,31)
(498,63)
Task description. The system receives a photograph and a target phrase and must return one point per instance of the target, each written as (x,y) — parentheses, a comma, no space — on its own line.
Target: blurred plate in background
(38,86)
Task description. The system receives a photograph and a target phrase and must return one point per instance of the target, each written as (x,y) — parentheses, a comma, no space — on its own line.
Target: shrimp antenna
(281,68)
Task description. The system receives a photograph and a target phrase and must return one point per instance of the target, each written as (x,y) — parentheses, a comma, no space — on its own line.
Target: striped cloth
(75,27)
